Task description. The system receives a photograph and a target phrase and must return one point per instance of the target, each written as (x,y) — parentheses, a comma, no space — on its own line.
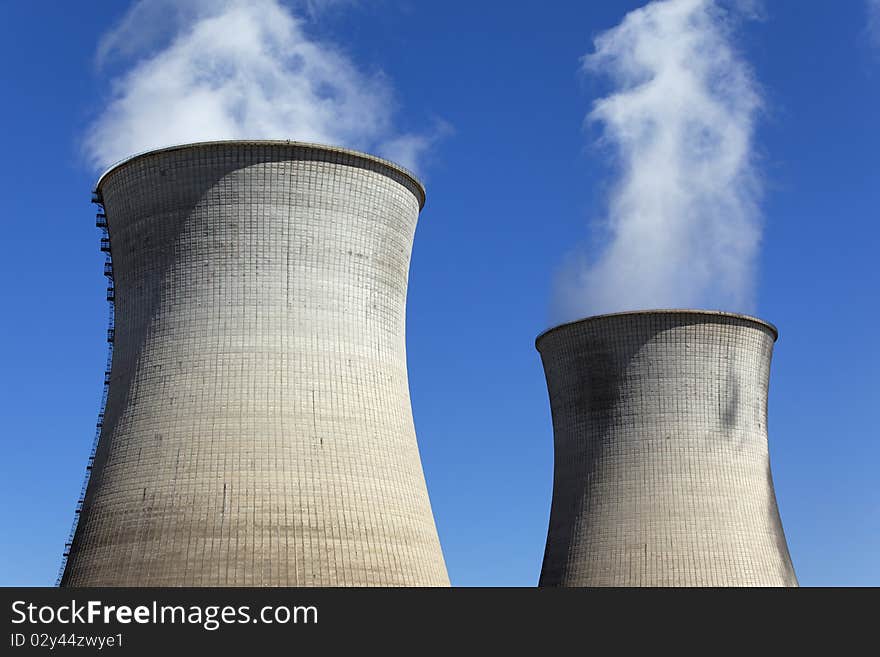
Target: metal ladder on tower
(101,223)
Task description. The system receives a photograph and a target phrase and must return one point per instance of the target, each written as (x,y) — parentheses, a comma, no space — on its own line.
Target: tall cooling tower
(257,428)
(662,473)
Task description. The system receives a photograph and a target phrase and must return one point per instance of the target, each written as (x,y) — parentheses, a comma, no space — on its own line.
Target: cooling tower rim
(360,155)
(664,311)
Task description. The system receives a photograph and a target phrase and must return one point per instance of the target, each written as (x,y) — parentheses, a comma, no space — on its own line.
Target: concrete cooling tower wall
(258,429)
(662,472)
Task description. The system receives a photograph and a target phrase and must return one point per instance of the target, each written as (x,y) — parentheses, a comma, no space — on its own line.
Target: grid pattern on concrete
(662,472)
(258,428)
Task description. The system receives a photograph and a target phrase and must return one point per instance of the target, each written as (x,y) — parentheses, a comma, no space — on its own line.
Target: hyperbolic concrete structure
(662,472)
(258,428)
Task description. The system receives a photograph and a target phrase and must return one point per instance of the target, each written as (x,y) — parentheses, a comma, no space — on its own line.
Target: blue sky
(515,181)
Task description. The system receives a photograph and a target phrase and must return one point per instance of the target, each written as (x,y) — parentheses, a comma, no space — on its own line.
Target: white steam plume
(683,224)
(237,69)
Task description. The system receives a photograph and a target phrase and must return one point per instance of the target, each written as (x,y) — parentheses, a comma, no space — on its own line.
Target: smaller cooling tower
(662,472)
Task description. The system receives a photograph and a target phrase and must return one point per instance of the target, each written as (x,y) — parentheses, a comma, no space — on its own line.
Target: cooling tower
(258,428)
(662,472)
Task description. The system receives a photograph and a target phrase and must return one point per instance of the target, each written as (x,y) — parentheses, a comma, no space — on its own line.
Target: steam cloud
(233,69)
(683,224)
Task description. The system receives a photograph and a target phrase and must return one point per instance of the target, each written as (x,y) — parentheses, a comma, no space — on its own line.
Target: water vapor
(872,8)
(682,225)
(237,69)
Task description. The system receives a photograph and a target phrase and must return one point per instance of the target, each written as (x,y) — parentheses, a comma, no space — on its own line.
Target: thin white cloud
(237,69)
(682,227)
(414,148)
(146,24)
(872,7)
